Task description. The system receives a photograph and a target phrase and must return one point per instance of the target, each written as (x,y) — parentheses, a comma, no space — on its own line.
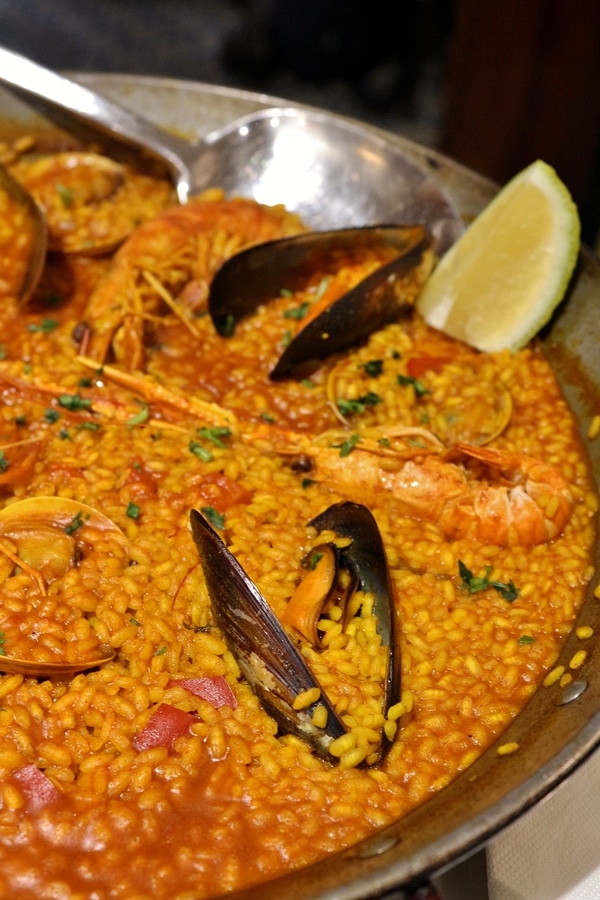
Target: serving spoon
(332,171)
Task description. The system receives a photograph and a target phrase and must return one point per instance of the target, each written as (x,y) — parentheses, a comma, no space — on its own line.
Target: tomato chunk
(418,365)
(166,725)
(212,688)
(39,791)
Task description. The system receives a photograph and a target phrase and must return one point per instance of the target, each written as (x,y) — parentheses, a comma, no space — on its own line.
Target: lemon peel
(504,277)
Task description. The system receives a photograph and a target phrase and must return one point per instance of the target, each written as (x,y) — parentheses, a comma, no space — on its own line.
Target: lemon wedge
(502,279)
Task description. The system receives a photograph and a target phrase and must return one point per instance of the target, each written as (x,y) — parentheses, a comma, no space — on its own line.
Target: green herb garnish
(526,639)
(373,368)
(75,523)
(228,327)
(215,518)
(348,445)
(298,312)
(140,417)
(45,326)
(315,559)
(4,463)
(215,434)
(51,415)
(473,583)
(321,288)
(358,406)
(2,642)
(133,510)
(65,194)
(200,451)
(418,386)
(74,402)
(161,651)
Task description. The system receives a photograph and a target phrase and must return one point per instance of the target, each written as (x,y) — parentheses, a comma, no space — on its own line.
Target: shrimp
(168,263)
(521,501)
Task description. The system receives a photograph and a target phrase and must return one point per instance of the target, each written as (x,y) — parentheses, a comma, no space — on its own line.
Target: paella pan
(404,840)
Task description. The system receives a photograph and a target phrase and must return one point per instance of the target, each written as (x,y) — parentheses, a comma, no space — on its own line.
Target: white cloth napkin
(553,851)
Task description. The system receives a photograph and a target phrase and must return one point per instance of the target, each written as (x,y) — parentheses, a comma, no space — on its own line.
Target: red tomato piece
(421,364)
(212,688)
(221,492)
(39,791)
(166,724)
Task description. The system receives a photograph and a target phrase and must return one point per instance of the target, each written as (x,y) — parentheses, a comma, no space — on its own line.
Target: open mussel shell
(269,660)
(260,273)
(366,554)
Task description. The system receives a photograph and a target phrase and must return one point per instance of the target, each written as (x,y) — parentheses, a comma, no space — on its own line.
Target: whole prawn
(519,501)
(165,265)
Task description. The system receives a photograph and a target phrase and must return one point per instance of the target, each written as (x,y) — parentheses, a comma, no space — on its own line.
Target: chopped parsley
(215,518)
(215,434)
(358,406)
(88,426)
(64,434)
(526,639)
(200,451)
(314,560)
(2,351)
(74,402)
(228,327)
(4,463)
(297,312)
(348,445)
(306,482)
(267,417)
(473,583)
(308,383)
(84,382)
(51,415)
(133,621)
(45,326)
(65,194)
(140,417)
(133,510)
(321,288)
(2,641)
(373,368)
(161,651)
(75,523)
(418,385)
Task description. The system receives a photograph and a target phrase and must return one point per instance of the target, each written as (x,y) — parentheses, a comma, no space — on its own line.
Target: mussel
(270,660)
(261,272)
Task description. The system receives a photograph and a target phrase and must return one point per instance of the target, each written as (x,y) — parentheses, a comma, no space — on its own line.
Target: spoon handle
(54,93)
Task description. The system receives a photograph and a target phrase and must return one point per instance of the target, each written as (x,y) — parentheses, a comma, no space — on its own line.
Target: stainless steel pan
(560,727)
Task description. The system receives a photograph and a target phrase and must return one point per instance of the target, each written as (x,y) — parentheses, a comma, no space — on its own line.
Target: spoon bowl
(333,172)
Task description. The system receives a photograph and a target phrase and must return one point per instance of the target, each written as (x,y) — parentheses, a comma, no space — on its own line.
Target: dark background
(493,84)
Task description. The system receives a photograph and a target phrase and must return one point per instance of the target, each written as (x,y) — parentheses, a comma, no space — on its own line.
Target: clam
(42,537)
(261,272)
(85,200)
(29,227)
(269,659)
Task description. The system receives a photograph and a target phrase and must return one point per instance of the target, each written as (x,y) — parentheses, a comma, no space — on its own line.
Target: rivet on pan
(376,846)
(571,692)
